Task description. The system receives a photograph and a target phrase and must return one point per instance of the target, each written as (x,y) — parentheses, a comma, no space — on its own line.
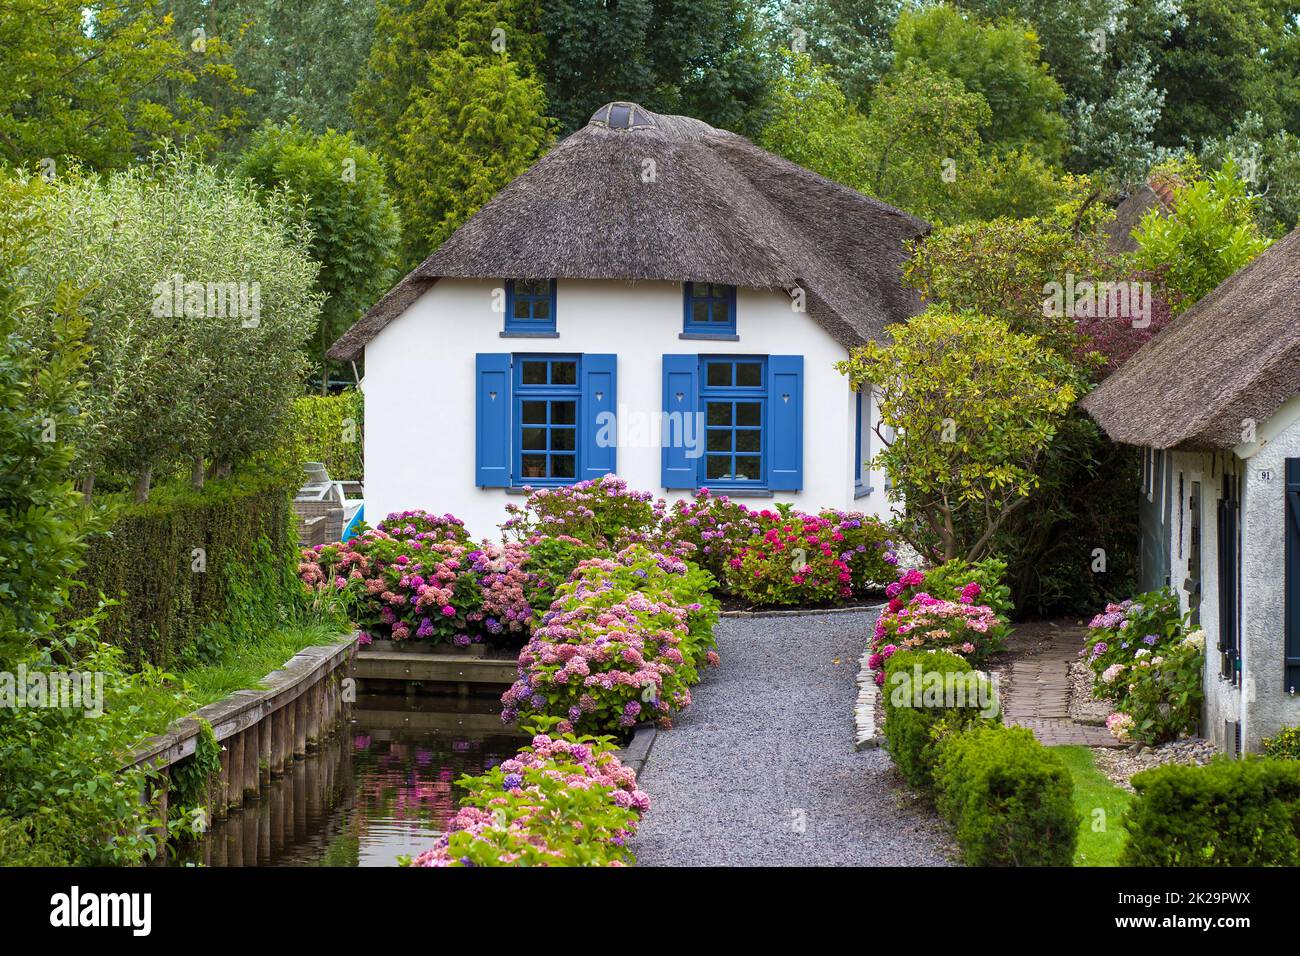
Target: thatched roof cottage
(1214,402)
(653,297)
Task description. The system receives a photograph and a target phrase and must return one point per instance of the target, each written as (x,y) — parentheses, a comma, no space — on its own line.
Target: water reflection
(381,787)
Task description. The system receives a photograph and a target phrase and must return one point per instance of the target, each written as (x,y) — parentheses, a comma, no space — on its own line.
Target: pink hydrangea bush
(425,586)
(424,525)
(563,801)
(605,658)
(714,525)
(603,512)
(916,619)
(808,559)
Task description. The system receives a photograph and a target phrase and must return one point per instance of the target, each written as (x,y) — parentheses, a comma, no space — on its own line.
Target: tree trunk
(142,481)
(197,473)
(87,488)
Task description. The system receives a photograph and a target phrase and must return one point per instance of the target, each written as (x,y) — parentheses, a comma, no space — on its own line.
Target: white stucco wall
(420,390)
(1262,703)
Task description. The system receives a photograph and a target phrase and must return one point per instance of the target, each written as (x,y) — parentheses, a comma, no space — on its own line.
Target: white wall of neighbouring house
(1259,700)
(420,391)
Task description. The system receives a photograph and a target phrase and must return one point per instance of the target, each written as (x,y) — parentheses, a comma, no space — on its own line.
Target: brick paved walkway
(1036,694)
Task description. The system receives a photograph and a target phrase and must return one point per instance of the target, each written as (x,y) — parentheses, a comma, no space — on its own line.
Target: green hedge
(1226,813)
(1009,800)
(146,560)
(911,732)
(327,428)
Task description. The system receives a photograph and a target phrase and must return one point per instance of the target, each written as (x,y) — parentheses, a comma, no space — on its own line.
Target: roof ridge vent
(623,116)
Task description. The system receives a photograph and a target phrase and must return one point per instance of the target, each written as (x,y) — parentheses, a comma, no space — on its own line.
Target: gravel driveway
(761,771)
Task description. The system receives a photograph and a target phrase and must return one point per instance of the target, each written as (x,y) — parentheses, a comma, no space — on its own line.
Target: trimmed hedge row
(170,563)
(328,429)
(1226,813)
(1009,800)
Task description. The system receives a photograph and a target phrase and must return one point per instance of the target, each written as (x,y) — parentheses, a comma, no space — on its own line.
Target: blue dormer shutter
(492,420)
(681,403)
(785,399)
(599,427)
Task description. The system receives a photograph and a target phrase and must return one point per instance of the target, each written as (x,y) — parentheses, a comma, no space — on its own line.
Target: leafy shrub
(64,801)
(1160,693)
(609,651)
(146,560)
(425,585)
(551,561)
(797,558)
(424,526)
(602,512)
(715,525)
(327,428)
(1009,799)
(1284,745)
(1226,813)
(564,801)
(1151,621)
(913,728)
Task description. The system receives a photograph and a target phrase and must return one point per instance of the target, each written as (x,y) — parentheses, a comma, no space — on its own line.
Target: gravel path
(761,771)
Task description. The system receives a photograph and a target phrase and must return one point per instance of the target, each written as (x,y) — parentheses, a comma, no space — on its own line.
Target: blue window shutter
(492,420)
(785,432)
(599,429)
(681,402)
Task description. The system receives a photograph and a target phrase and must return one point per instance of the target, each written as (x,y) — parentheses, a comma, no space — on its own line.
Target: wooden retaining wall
(260,731)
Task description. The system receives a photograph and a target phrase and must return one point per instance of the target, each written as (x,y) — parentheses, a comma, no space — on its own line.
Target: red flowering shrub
(798,558)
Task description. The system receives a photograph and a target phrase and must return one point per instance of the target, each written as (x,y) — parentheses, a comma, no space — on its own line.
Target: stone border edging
(245,708)
(637,752)
(864,710)
(803,612)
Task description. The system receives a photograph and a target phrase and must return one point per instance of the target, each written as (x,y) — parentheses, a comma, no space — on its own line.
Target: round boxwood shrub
(1226,813)
(914,721)
(1009,799)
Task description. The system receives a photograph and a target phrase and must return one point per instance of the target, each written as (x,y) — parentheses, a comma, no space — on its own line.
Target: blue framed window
(733,422)
(547,396)
(861,444)
(544,419)
(733,397)
(710,309)
(530,305)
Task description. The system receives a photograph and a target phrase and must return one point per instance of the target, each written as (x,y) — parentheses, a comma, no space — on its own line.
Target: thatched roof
(716,209)
(1234,355)
(1157,194)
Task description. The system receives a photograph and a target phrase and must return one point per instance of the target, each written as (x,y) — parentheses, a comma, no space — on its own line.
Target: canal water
(382,787)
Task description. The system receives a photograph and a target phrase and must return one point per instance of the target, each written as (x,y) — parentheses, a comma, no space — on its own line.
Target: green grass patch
(1101,837)
(242,666)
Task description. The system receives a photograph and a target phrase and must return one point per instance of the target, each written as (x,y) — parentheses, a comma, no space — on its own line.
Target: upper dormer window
(530,305)
(710,308)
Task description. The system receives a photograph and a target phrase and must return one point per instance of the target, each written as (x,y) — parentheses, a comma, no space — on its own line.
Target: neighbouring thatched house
(1214,401)
(1158,194)
(654,297)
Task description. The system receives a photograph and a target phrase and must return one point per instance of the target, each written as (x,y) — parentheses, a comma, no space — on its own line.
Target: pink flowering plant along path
(562,801)
(603,512)
(952,620)
(409,583)
(617,646)
(1144,658)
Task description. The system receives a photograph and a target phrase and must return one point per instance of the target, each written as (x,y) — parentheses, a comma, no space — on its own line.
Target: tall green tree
(475,125)
(850,38)
(296,59)
(1000,61)
(409,34)
(340,189)
(697,57)
(40,545)
(1210,234)
(101,84)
